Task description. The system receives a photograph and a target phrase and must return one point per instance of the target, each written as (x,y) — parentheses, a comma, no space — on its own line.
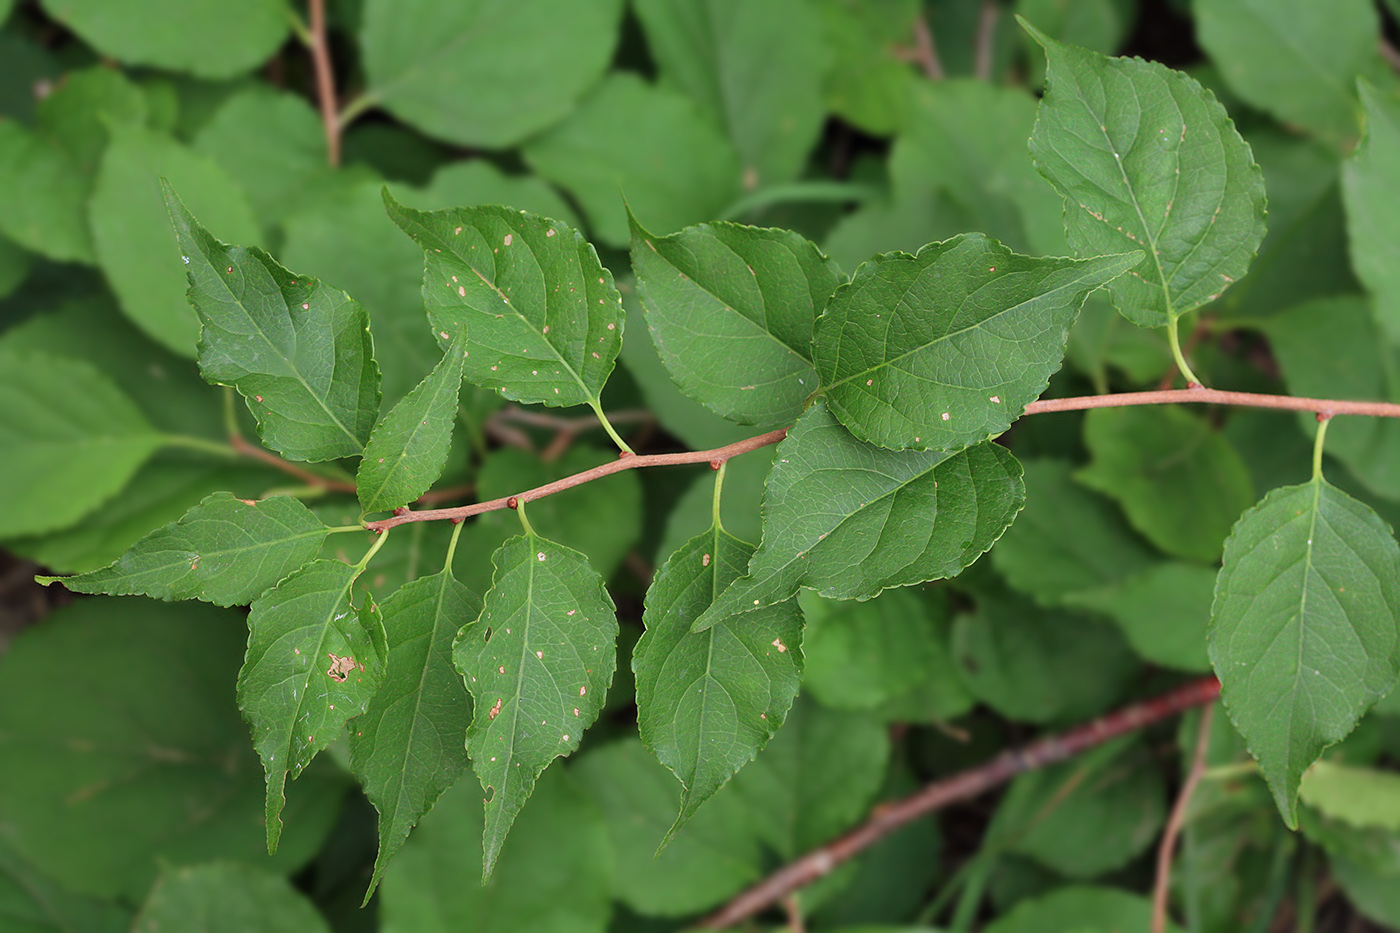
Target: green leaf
(71,441)
(1079,909)
(1303,632)
(1148,159)
(1067,540)
(715,855)
(407,747)
(1295,59)
(867,84)
(1364,797)
(542,55)
(544,321)
(408,447)
(1178,479)
(860,655)
(297,350)
(649,144)
(1370,178)
(850,520)
(131,229)
(33,903)
(555,874)
(731,310)
(817,777)
(766,94)
(945,348)
(1164,612)
(142,757)
(197,36)
(225,551)
(708,701)
(313,662)
(543,648)
(225,897)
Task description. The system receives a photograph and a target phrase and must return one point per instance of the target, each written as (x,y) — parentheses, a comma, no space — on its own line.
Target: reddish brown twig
(715,456)
(926,50)
(325,81)
(1175,822)
(1199,395)
(889,817)
(254,452)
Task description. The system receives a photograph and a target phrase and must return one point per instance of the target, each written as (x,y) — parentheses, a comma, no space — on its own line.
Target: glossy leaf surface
(945,348)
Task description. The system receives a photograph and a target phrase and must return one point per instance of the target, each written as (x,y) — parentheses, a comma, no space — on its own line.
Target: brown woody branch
(886,818)
(325,80)
(1197,394)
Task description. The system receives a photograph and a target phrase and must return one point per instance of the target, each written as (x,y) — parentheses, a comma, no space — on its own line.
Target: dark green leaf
(715,855)
(33,903)
(408,447)
(1067,540)
(554,874)
(1293,58)
(198,36)
(1303,633)
(297,350)
(1370,180)
(945,348)
(708,701)
(850,520)
(131,229)
(1180,482)
(544,322)
(422,58)
(225,550)
(867,83)
(646,143)
(1164,612)
(1148,159)
(123,749)
(817,776)
(407,748)
(70,438)
(731,310)
(225,897)
(542,649)
(766,94)
(313,662)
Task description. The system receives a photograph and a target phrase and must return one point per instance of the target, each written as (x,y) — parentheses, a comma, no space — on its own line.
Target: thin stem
(373,549)
(1174,339)
(1177,820)
(1322,422)
(231,427)
(624,462)
(520,511)
(354,108)
(1200,395)
(325,80)
(612,432)
(452,545)
(714,505)
(200,444)
(889,817)
(255,452)
(342,529)
(926,50)
(986,37)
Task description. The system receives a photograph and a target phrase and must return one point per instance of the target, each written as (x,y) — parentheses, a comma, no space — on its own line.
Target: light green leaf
(766,94)
(225,550)
(538,662)
(817,777)
(426,63)
(731,310)
(408,447)
(297,350)
(197,36)
(225,897)
(945,348)
(1163,611)
(1296,59)
(1178,480)
(1079,909)
(71,440)
(1303,633)
(850,520)
(555,875)
(715,855)
(867,84)
(544,322)
(708,701)
(860,655)
(407,748)
(1148,159)
(1370,180)
(1363,797)
(1067,540)
(647,144)
(31,902)
(132,234)
(143,759)
(313,662)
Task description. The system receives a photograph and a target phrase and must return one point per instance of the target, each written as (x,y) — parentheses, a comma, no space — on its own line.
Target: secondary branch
(1200,395)
(889,817)
(325,80)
